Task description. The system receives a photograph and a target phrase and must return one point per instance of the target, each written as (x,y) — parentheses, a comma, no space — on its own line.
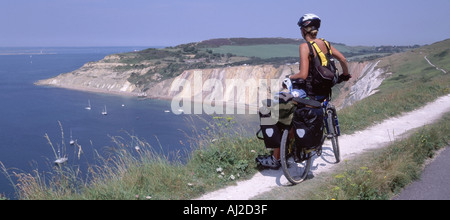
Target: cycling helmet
(309,20)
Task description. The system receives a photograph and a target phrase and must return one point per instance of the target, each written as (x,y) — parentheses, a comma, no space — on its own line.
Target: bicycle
(296,162)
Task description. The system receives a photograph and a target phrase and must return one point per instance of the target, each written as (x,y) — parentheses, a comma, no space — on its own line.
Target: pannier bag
(308,125)
(274,117)
(269,129)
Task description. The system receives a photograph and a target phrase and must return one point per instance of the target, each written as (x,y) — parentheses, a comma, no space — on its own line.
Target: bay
(28,112)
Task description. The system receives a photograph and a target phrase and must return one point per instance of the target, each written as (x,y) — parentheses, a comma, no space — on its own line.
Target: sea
(28,112)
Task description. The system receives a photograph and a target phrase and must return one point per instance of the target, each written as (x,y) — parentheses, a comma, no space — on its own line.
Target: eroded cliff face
(241,85)
(246,85)
(250,84)
(102,76)
(369,79)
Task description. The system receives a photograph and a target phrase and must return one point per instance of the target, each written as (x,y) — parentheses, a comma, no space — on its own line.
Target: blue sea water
(28,112)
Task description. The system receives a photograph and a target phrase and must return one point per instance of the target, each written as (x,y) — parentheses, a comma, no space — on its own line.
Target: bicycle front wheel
(295,165)
(333,135)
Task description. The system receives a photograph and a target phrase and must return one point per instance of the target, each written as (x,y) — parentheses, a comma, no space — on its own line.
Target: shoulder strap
(311,54)
(328,45)
(322,56)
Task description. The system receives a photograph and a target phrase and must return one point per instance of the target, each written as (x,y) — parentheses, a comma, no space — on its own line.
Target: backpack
(323,74)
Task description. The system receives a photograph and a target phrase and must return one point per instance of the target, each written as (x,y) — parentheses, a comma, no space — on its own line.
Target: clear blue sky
(172,22)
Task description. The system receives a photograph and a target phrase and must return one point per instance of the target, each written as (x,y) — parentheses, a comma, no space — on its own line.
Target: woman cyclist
(309,25)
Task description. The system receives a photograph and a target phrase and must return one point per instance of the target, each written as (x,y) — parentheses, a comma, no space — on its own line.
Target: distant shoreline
(14,54)
(103,91)
(88,89)
(136,95)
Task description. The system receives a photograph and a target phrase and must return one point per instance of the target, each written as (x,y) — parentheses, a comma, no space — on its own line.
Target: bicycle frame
(332,127)
(327,107)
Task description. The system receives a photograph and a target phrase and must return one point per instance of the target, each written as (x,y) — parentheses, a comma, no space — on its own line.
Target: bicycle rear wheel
(333,135)
(295,169)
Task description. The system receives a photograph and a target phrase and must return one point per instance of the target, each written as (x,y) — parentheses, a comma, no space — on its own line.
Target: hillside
(151,72)
(413,82)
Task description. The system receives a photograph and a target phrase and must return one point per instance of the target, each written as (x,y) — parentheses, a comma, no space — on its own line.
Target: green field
(262,51)
(268,51)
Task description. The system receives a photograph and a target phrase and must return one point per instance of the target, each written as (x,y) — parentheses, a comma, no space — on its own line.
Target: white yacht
(105,112)
(89,106)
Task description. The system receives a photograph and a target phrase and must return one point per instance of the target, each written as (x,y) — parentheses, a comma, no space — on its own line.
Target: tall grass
(222,153)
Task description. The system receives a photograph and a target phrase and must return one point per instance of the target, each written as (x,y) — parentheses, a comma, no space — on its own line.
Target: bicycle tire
(332,133)
(287,158)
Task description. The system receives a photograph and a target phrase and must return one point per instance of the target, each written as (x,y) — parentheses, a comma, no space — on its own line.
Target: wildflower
(232,177)
(253,151)
(148,197)
(340,176)
(137,148)
(190,184)
(219,170)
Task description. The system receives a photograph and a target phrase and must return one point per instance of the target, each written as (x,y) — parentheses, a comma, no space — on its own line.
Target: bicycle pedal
(319,152)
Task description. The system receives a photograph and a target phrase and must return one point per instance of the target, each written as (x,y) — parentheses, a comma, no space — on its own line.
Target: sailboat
(105,112)
(71,142)
(61,161)
(89,105)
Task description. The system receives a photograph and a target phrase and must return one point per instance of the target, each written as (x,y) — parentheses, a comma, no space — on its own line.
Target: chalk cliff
(244,84)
